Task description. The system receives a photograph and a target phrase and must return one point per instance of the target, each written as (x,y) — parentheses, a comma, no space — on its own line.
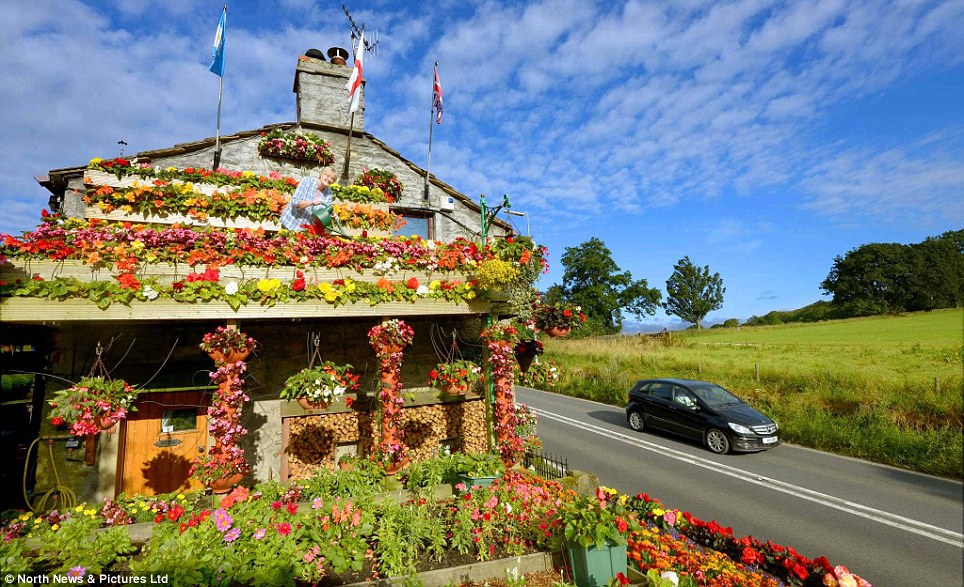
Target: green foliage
(590,521)
(13,556)
(593,281)
(75,544)
(692,293)
(877,278)
(478,464)
(406,535)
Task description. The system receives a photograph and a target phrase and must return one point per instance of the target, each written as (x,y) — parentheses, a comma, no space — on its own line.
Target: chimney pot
(338,55)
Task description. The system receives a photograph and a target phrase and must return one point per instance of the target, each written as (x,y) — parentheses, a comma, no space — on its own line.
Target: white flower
(430,245)
(422,291)
(150,293)
(671,576)
(231,288)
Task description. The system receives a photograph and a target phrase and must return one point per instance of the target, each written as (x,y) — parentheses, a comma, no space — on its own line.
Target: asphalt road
(892,527)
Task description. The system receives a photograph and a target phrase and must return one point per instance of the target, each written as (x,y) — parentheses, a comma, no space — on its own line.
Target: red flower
(623,580)
(412,283)
(566,313)
(433,374)
(128,281)
(349,401)
(292,508)
(299,283)
(284,529)
(57,421)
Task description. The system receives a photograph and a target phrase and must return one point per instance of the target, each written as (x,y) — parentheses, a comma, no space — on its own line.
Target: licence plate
(769,440)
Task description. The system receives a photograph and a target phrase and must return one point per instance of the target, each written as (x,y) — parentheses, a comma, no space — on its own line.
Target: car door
(658,406)
(687,415)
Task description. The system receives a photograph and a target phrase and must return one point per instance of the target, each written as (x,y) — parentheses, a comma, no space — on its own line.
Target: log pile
(311,440)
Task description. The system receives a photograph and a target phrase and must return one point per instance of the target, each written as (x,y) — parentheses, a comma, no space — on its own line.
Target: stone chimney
(322,93)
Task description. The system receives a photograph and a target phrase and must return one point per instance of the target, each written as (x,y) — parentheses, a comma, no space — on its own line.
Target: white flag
(355,81)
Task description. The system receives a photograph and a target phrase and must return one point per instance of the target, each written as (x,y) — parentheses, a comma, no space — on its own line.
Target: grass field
(888,389)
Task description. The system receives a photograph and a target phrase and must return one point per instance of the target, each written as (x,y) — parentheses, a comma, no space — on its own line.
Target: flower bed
(312,530)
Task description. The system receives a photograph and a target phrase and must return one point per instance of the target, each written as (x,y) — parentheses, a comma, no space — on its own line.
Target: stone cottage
(107,281)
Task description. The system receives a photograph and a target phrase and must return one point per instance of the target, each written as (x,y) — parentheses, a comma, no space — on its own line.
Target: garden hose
(67,498)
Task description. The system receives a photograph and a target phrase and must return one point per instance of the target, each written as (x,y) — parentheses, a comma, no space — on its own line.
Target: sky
(759,138)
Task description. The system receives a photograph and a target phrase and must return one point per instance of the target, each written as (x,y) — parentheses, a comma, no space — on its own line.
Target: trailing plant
(321,383)
(90,400)
(295,145)
(384,180)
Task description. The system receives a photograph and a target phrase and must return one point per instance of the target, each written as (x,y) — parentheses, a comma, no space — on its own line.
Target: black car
(701,411)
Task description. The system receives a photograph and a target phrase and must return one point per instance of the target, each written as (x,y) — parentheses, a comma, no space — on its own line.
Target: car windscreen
(715,396)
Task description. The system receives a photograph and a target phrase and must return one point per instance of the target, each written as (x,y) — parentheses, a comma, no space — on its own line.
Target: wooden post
(756,368)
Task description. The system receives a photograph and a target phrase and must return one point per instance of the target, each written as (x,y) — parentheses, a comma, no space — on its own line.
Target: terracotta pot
(310,405)
(558,332)
(455,389)
(225,484)
(103,423)
(396,467)
(387,349)
(233,356)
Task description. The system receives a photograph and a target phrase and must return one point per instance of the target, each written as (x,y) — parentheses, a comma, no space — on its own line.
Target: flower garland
(162,198)
(388,339)
(500,339)
(122,167)
(294,145)
(100,243)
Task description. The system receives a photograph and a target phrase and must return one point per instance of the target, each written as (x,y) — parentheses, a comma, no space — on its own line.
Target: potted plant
(391,336)
(92,404)
(594,535)
(317,387)
(543,374)
(478,469)
(227,345)
(384,180)
(558,319)
(455,377)
(220,470)
(526,351)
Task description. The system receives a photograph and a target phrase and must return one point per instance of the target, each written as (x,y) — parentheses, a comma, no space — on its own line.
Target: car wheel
(717,442)
(636,421)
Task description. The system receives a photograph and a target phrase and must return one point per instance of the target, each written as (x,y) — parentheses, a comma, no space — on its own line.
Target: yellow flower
(435,284)
(79,508)
(470,295)
(332,296)
(247,174)
(55,527)
(349,286)
(181,496)
(95,160)
(324,287)
(268,285)
(91,512)
(658,512)
(25,516)
(171,168)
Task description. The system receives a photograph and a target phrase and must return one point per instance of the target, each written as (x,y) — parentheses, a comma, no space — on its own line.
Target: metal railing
(545,465)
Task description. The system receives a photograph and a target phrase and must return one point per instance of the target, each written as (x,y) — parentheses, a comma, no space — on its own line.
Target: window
(662,391)
(179,420)
(417,222)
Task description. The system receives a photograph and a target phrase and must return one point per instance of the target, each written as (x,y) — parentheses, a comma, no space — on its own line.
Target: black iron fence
(546,466)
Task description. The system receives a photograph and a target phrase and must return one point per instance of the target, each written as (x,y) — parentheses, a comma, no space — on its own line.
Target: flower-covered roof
(192,243)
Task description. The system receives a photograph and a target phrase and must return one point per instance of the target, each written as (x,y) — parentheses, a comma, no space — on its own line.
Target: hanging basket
(455,389)
(392,468)
(104,423)
(555,332)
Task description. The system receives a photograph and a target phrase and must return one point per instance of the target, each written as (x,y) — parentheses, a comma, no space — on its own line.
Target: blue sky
(759,138)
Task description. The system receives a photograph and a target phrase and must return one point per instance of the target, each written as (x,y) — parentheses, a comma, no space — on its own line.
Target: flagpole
(217,137)
(344,172)
(431,127)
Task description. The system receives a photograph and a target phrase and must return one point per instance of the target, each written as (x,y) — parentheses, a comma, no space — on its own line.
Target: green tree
(594,281)
(692,293)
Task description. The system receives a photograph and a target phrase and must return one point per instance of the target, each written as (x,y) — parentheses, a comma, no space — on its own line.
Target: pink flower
(284,529)
(259,533)
(232,535)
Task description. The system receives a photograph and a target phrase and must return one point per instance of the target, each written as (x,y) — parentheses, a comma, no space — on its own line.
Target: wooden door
(161,440)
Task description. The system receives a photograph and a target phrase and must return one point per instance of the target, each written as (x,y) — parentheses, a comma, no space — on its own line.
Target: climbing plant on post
(225,465)
(500,340)
(389,339)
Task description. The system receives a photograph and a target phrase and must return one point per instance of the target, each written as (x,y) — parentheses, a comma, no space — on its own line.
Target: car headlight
(739,428)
